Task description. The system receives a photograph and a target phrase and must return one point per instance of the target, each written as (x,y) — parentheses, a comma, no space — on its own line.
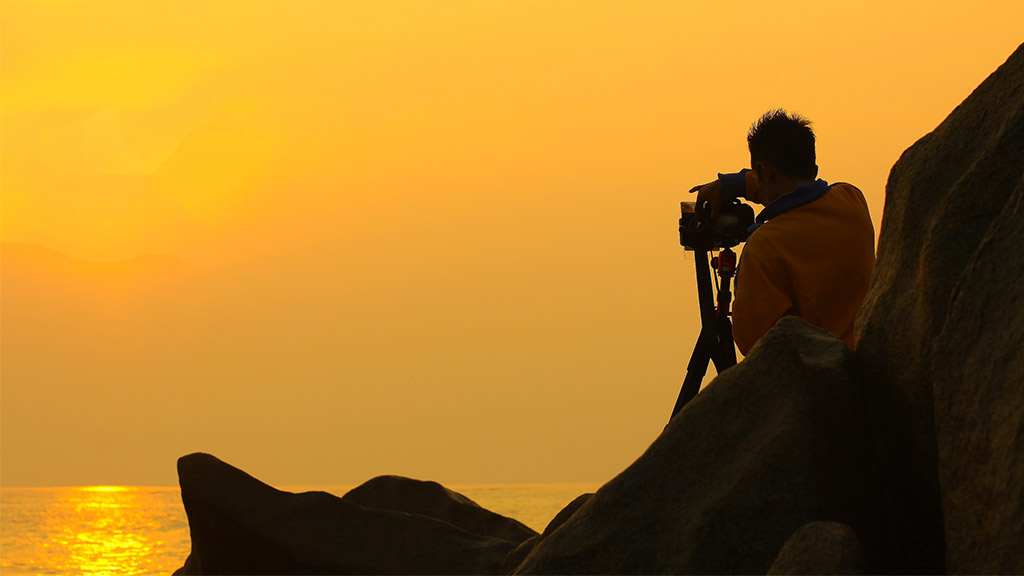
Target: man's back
(813,261)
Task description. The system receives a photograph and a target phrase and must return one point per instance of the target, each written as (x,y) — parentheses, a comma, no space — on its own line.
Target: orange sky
(329,240)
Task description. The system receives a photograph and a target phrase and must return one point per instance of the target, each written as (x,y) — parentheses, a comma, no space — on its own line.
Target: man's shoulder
(852,203)
(843,209)
(845,186)
(850,191)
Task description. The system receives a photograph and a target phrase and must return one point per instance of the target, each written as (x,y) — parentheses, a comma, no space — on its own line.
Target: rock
(566,513)
(941,334)
(776,442)
(820,548)
(515,557)
(240,525)
(435,501)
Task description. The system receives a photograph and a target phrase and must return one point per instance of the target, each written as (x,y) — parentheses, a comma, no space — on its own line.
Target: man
(812,249)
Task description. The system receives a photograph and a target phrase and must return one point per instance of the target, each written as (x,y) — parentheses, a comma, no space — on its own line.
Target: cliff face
(907,456)
(942,334)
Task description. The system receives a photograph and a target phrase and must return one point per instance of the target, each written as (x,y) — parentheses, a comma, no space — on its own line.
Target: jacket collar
(801,195)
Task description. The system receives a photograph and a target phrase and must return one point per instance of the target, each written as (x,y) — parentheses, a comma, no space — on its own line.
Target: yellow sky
(328,240)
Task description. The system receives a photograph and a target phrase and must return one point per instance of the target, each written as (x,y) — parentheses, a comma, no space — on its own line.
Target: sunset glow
(330,240)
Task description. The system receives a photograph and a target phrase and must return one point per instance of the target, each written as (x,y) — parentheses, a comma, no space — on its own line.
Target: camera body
(696,233)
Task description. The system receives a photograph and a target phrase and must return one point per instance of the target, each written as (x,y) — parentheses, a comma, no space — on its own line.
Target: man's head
(781,152)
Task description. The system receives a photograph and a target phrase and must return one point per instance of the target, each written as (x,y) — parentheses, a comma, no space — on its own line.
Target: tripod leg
(707,347)
(695,372)
(725,356)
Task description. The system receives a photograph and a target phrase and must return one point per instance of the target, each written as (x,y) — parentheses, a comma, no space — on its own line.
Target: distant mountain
(32,259)
(38,282)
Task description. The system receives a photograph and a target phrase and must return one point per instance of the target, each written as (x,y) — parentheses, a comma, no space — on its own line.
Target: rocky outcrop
(435,501)
(774,443)
(240,525)
(820,548)
(516,557)
(942,334)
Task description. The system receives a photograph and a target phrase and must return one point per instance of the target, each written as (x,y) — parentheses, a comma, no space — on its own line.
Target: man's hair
(786,140)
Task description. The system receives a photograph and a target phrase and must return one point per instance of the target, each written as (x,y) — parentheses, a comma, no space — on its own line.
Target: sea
(99,530)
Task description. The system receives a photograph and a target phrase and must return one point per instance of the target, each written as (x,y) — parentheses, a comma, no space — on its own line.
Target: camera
(697,233)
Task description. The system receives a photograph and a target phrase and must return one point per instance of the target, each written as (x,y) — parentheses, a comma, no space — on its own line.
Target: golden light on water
(92,530)
(108,546)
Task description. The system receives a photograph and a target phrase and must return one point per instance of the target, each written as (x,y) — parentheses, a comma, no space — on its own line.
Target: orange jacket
(811,256)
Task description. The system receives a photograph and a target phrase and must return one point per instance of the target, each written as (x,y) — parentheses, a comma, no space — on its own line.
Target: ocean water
(99,530)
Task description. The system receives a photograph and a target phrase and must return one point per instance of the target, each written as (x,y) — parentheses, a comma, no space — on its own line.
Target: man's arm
(743,184)
(727,188)
(761,300)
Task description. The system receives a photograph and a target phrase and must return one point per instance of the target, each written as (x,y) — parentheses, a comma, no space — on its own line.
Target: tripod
(715,340)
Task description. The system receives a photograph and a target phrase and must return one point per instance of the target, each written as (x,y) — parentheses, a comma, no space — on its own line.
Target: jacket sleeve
(741,183)
(761,300)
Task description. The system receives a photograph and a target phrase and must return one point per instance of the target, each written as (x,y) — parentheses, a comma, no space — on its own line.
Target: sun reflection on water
(109,546)
(94,530)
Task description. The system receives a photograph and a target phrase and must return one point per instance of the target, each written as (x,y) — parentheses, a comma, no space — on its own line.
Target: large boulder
(433,500)
(774,443)
(516,557)
(941,335)
(240,525)
(820,548)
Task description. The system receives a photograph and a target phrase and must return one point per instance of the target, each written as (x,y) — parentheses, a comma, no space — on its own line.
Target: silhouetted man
(812,249)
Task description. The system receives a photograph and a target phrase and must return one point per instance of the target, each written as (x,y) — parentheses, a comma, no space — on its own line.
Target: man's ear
(766,171)
(815,175)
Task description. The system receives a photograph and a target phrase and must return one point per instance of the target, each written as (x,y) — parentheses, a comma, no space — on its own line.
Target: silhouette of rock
(566,513)
(942,335)
(776,442)
(240,525)
(820,548)
(435,501)
(515,557)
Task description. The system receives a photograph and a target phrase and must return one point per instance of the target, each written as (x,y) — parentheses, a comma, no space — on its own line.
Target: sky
(325,241)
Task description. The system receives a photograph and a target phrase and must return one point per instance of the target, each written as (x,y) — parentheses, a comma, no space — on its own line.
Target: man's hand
(710,193)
